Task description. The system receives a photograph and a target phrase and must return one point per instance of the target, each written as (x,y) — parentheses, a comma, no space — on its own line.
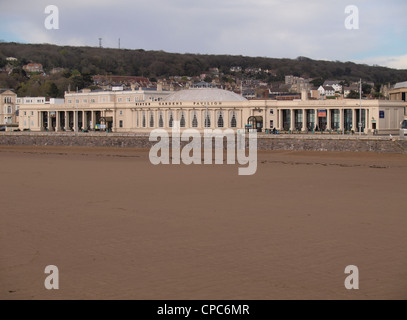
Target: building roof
(205,94)
(400,85)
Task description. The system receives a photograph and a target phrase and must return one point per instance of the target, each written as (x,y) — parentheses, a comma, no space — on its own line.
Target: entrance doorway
(255,123)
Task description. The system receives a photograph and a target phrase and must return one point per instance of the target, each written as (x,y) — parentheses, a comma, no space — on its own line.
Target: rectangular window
(121,123)
(121,112)
(32,113)
(271,111)
(92,100)
(120,99)
(85,100)
(69,101)
(25,113)
(271,124)
(128,99)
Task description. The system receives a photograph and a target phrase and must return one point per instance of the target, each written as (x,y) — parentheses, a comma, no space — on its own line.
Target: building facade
(8,109)
(399,92)
(199,108)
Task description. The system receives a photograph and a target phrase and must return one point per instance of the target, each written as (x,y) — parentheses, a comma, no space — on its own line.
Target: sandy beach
(118,227)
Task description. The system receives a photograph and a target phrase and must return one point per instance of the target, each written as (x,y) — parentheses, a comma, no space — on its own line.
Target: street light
(360,108)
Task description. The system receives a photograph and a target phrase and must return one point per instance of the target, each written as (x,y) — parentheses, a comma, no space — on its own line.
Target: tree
(353,95)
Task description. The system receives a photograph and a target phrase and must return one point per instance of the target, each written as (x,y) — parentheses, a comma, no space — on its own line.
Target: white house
(326,91)
(334,84)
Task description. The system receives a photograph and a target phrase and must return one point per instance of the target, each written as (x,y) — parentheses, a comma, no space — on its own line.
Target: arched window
(171,120)
(233,120)
(194,117)
(151,119)
(161,120)
(182,119)
(221,123)
(144,119)
(207,119)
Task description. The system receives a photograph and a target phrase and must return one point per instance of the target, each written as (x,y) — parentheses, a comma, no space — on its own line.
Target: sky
(261,28)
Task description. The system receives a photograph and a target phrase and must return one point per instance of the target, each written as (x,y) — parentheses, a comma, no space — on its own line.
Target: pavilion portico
(324,119)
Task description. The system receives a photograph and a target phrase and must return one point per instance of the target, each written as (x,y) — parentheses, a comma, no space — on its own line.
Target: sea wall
(265,142)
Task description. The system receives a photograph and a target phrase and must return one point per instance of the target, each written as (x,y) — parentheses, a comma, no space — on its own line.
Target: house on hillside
(336,84)
(326,91)
(33,67)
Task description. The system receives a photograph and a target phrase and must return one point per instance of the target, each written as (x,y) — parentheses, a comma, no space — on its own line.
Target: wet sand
(118,227)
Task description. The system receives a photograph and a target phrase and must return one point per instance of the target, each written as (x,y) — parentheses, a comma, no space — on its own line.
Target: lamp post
(360,108)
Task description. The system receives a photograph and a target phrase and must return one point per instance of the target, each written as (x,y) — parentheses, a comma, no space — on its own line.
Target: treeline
(82,62)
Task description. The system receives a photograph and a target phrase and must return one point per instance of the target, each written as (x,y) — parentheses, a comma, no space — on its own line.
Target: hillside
(82,62)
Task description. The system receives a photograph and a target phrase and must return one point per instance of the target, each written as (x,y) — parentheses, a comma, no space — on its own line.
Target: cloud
(395,62)
(272,28)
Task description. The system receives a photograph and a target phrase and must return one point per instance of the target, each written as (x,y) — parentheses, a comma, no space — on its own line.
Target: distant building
(348,90)
(236,69)
(336,84)
(56,70)
(33,67)
(8,109)
(11,59)
(399,92)
(326,91)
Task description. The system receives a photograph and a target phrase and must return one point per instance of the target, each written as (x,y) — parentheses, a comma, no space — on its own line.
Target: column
(367,120)
(92,119)
(75,121)
(58,125)
(341,119)
(355,124)
(278,124)
(304,120)
(66,120)
(292,119)
(84,120)
(316,124)
(49,127)
(329,119)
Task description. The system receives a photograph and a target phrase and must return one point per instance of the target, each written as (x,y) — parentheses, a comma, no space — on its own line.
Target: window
(233,121)
(171,121)
(120,100)
(92,100)
(77,100)
(9,110)
(161,121)
(182,120)
(32,113)
(207,119)
(121,123)
(25,113)
(271,124)
(194,120)
(221,123)
(69,101)
(151,120)
(144,119)
(271,111)
(128,99)
(85,100)
(121,112)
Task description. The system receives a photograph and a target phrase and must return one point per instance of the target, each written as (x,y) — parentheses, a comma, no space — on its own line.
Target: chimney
(304,95)
(159,86)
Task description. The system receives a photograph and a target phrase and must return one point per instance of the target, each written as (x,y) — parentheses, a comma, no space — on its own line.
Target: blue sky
(267,28)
